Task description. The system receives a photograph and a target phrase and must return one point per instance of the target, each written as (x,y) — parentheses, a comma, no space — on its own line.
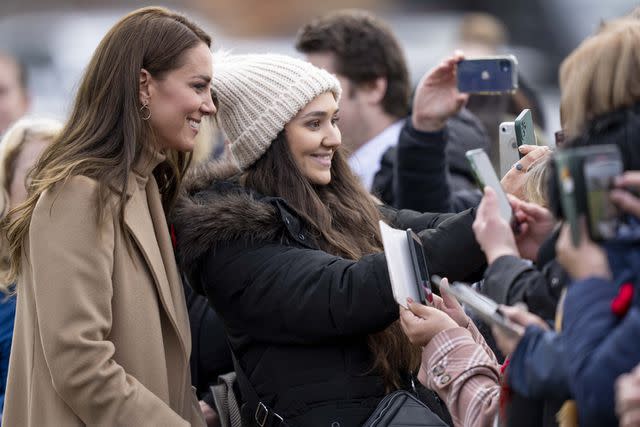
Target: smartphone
(509,154)
(487,309)
(600,170)
(485,175)
(490,75)
(584,177)
(420,269)
(525,133)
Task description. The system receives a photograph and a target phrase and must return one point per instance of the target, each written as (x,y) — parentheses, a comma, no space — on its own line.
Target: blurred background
(56,38)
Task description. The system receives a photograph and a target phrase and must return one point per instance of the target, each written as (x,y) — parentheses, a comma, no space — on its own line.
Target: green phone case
(525,132)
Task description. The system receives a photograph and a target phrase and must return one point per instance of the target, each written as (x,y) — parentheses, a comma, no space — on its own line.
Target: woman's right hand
(421,323)
(506,342)
(492,232)
(514,180)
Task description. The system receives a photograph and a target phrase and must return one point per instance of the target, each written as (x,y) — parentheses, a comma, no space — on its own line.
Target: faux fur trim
(212,209)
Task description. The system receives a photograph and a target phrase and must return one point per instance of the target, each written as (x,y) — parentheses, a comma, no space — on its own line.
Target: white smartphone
(509,154)
(487,309)
(485,175)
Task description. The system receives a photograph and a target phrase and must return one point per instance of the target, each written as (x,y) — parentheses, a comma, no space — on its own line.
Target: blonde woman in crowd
(102,334)
(20,147)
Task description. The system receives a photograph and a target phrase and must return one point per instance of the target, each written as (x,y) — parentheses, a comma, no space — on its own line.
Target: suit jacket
(102,331)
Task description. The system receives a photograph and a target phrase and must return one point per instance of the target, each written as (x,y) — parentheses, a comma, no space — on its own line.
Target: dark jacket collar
(214,208)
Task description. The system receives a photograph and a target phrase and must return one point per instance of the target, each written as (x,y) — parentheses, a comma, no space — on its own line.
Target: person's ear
(374,91)
(144,83)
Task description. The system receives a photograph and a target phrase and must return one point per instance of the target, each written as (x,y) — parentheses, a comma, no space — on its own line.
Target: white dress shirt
(365,161)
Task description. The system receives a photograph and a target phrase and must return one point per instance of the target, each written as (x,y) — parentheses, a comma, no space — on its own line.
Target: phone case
(525,131)
(498,74)
(420,269)
(509,154)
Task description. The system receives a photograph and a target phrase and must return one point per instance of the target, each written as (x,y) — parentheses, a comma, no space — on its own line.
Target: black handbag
(401,409)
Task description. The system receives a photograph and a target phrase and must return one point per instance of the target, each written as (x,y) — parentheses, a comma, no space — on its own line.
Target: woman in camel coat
(102,333)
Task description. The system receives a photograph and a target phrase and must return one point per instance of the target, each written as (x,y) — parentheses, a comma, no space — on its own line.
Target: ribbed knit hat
(259,94)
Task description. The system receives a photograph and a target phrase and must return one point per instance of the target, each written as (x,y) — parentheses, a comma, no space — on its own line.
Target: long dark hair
(105,134)
(344,219)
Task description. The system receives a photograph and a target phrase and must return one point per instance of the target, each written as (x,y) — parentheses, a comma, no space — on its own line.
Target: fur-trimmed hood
(213,207)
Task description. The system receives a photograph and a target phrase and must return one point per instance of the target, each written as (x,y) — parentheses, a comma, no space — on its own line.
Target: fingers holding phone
(584,260)
(493,233)
(514,180)
(437,97)
(421,323)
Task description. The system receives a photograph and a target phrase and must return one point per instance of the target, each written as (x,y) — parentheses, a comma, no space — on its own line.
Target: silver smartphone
(487,309)
(508,147)
(485,175)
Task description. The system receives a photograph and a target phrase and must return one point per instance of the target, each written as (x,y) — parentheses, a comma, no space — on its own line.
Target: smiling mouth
(324,159)
(194,124)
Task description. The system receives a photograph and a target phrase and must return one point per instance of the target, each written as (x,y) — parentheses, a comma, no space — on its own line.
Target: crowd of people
(136,271)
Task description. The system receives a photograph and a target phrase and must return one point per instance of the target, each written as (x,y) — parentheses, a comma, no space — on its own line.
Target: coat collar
(214,209)
(151,235)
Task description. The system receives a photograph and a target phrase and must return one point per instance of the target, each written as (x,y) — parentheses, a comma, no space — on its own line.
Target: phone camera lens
(504,129)
(505,66)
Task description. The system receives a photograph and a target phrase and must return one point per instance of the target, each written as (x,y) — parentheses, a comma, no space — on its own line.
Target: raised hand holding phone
(486,176)
(437,97)
(493,233)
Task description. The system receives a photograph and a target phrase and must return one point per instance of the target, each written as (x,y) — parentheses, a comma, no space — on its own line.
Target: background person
(14,96)
(20,147)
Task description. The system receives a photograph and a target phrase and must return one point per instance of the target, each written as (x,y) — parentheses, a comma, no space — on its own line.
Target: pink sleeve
(479,339)
(464,376)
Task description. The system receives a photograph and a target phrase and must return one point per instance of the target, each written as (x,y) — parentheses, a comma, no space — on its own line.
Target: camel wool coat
(101,334)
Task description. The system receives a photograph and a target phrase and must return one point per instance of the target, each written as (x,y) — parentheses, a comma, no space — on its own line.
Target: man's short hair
(365,49)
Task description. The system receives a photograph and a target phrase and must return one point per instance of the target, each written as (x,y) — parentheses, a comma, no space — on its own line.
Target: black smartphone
(421,272)
(491,75)
(584,177)
(600,171)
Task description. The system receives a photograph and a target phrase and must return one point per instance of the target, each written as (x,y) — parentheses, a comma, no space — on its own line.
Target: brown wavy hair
(343,218)
(105,134)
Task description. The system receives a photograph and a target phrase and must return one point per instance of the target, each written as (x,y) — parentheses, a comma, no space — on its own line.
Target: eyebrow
(203,77)
(318,114)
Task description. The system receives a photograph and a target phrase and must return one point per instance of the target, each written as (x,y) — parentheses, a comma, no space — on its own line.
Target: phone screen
(487,176)
(421,271)
(599,173)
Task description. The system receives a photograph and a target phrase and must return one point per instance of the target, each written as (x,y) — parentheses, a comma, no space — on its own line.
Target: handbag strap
(263,415)
(225,400)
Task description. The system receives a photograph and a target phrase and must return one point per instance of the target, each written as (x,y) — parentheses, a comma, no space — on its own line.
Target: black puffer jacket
(428,171)
(297,317)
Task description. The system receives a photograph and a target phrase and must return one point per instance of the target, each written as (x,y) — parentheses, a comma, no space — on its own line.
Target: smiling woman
(99,286)
(284,242)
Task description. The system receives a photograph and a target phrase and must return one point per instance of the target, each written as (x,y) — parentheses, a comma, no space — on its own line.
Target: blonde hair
(12,143)
(601,75)
(535,187)
(24,130)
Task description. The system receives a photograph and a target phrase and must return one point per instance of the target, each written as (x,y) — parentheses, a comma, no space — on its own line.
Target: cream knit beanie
(259,94)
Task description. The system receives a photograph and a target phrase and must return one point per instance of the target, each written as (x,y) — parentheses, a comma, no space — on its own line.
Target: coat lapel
(142,229)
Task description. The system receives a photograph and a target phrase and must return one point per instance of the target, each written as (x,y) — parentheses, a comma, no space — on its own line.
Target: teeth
(194,125)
